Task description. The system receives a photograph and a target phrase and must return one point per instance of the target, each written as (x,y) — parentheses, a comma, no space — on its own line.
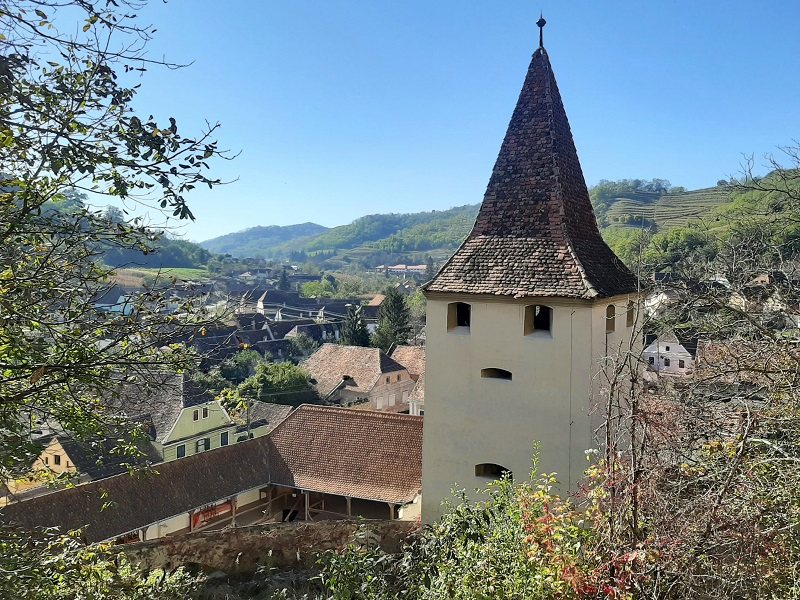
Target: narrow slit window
(630,317)
(611,317)
(538,318)
(491,471)
(682,364)
(666,362)
(651,360)
(493,373)
(459,315)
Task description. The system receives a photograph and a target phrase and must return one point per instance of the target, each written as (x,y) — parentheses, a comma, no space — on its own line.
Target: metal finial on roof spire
(541,23)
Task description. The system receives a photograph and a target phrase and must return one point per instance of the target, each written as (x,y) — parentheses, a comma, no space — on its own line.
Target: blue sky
(346,108)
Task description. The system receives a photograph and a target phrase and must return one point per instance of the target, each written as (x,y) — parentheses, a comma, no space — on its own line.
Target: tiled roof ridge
(366,414)
(557,178)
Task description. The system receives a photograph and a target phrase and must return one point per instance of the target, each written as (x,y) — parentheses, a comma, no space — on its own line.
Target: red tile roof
(377,300)
(364,366)
(536,233)
(411,357)
(362,454)
(369,455)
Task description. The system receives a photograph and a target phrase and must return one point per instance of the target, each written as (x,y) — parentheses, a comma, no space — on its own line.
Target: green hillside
(622,207)
(665,210)
(366,240)
(259,242)
(400,232)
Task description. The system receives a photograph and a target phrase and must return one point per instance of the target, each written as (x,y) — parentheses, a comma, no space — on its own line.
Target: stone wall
(282,545)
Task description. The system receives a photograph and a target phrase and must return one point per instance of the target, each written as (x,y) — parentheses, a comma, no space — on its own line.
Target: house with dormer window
(354,375)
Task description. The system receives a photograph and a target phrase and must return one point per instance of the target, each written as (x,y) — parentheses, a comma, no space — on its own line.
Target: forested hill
(620,206)
(260,241)
(387,233)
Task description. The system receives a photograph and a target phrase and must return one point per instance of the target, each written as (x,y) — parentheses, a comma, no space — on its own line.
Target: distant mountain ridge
(388,233)
(258,241)
(382,237)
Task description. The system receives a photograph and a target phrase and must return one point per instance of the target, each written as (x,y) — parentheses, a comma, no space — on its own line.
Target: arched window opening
(459,316)
(611,315)
(493,373)
(538,318)
(492,471)
(630,318)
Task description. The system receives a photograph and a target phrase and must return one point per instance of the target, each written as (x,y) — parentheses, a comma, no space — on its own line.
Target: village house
(658,300)
(413,359)
(350,375)
(402,269)
(319,463)
(521,317)
(278,305)
(79,462)
(665,354)
(183,420)
(371,311)
(319,332)
(179,421)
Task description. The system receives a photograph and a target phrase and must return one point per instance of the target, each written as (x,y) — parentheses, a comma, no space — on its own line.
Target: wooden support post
(233,510)
(391,512)
(191,520)
(349,508)
(307,513)
(143,534)
(269,501)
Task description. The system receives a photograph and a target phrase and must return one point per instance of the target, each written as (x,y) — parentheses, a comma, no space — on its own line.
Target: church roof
(536,233)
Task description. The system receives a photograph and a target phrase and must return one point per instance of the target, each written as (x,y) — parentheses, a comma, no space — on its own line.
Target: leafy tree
(303,345)
(73,570)
(430,269)
(283,282)
(521,542)
(68,126)
(318,289)
(213,381)
(283,383)
(354,329)
(394,326)
(114,214)
(240,366)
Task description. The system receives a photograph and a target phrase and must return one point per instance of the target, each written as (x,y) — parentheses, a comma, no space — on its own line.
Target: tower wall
(470,420)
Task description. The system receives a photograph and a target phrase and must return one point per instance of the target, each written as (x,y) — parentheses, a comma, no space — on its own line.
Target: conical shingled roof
(536,233)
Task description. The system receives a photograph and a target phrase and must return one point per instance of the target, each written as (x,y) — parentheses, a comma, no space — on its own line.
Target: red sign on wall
(204,516)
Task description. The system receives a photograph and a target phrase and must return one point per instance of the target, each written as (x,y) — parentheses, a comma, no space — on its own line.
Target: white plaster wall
(676,353)
(171,525)
(473,420)
(247,497)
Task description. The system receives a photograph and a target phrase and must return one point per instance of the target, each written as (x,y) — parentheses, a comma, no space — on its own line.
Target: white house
(667,355)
